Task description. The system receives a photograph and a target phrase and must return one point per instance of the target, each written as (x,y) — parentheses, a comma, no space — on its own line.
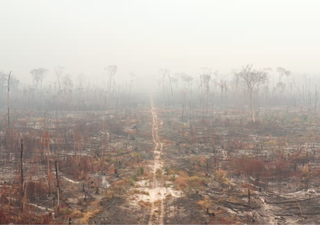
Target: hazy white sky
(144,35)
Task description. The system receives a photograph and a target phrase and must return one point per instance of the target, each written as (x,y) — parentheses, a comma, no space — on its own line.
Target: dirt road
(157,191)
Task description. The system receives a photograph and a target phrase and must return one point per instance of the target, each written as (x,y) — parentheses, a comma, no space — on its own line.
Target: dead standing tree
(171,80)
(223,85)
(205,78)
(67,86)
(111,71)
(59,72)
(21,175)
(9,99)
(187,80)
(164,73)
(58,186)
(38,75)
(282,72)
(252,79)
(281,85)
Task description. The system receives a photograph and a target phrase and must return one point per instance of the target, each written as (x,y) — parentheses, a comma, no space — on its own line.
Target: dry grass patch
(109,194)
(95,204)
(204,203)
(169,195)
(159,173)
(76,214)
(220,176)
(145,204)
(136,191)
(89,215)
(158,204)
(184,181)
(147,175)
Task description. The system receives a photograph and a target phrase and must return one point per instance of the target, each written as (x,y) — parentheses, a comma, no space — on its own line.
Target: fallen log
(230,207)
(299,214)
(234,203)
(291,201)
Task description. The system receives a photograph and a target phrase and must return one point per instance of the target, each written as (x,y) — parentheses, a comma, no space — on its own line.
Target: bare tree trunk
(252,107)
(316,98)
(117,107)
(58,186)
(21,178)
(171,85)
(9,99)
(110,84)
(48,175)
(221,97)
(163,86)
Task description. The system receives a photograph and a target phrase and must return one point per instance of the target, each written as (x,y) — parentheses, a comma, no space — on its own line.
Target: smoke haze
(143,36)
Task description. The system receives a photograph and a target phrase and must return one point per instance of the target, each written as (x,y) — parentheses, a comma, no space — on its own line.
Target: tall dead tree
(282,72)
(281,86)
(9,99)
(187,81)
(163,73)
(222,85)
(205,78)
(315,98)
(252,79)
(58,186)
(111,71)
(21,175)
(38,75)
(170,84)
(59,71)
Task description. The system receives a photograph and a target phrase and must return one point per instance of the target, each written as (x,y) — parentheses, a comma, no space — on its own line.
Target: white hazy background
(141,36)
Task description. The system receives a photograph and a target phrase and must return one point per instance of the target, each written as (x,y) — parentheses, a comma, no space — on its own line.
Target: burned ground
(155,165)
